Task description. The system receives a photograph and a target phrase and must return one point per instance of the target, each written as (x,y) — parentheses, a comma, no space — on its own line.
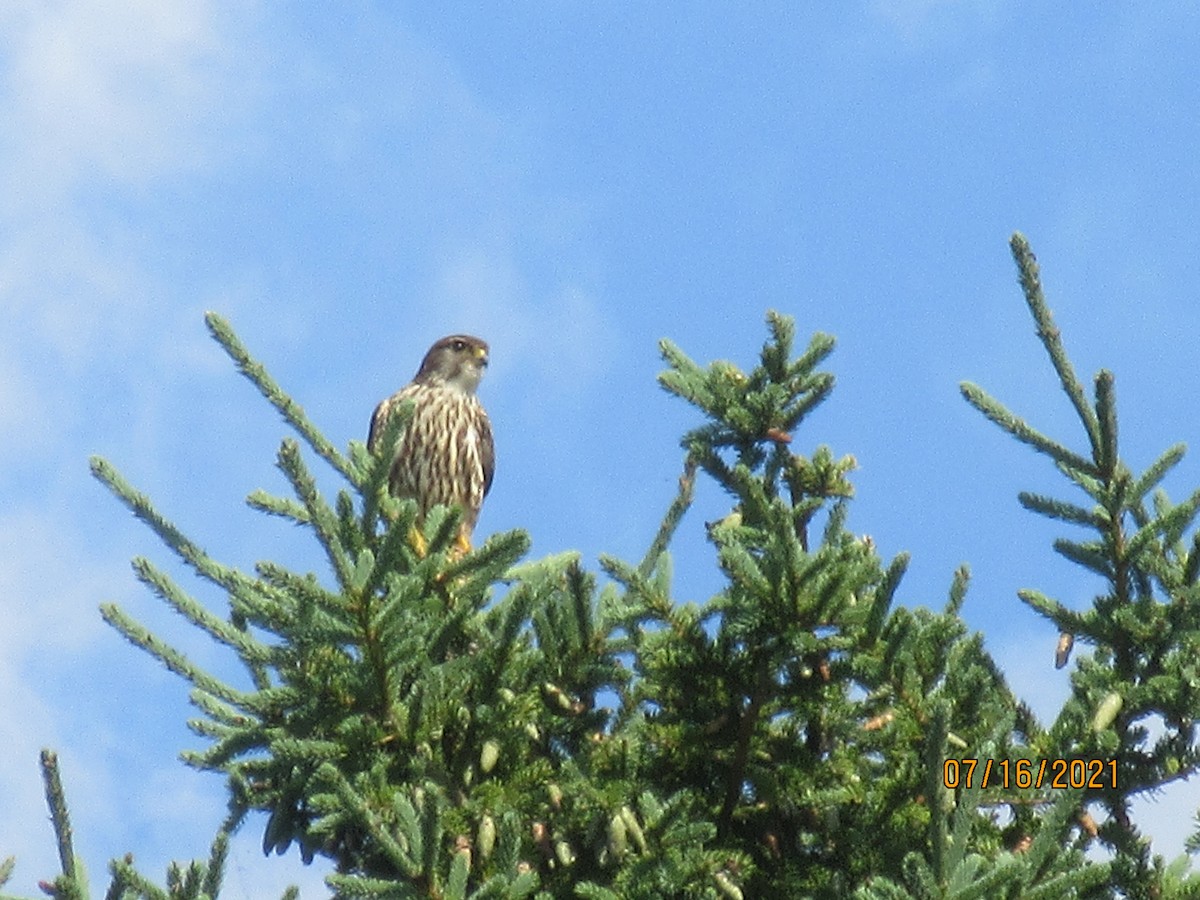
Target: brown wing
(378,424)
(487,449)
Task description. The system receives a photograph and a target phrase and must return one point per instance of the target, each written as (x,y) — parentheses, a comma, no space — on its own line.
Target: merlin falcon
(445,454)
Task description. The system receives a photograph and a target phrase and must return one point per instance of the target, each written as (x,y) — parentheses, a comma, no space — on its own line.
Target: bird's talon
(461,546)
(417,541)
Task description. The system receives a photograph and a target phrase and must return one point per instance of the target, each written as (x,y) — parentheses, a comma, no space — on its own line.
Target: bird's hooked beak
(481,356)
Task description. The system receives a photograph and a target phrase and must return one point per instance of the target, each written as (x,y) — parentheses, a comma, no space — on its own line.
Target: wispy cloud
(101,102)
(122,91)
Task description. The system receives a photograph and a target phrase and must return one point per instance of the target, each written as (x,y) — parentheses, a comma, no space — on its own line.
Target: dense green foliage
(477,726)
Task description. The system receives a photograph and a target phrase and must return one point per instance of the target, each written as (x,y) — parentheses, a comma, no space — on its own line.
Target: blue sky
(572,182)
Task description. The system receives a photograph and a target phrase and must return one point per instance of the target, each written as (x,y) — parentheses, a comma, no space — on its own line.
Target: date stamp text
(1058,774)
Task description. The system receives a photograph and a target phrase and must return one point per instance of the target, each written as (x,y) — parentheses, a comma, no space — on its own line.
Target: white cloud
(96,90)
(100,101)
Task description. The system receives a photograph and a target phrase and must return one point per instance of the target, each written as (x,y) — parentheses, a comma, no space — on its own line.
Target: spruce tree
(1145,626)
(450,726)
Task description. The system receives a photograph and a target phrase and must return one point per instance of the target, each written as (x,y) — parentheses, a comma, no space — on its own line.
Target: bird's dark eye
(458,346)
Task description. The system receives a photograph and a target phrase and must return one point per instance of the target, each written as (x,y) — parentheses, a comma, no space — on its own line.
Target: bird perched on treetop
(445,454)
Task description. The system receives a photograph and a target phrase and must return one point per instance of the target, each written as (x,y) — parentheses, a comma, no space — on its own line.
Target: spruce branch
(489,562)
(283,507)
(291,411)
(1106,414)
(1191,566)
(1051,338)
(1169,526)
(638,587)
(884,595)
(284,601)
(323,519)
(6,870)
(395,553)
(140,505)
(749,413)
(1066,512)
(1153,475)
(127,879)
(175,661)
(198,880)
(819,348)
(775,353)
(936,793)
(69,885)
(1063,618)
(548,567)
(506,621)
(1092,555)
(378,471)
(250,650)
(684,377)
(674,515)
(1090,483)
(958,590)
(748,724)
(214,872)
(1022,431)
(223,717)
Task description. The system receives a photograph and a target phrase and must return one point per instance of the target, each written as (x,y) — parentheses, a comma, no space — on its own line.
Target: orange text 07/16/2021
(1060,773)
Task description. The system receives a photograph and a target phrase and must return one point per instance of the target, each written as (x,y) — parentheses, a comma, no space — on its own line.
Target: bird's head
(456,361)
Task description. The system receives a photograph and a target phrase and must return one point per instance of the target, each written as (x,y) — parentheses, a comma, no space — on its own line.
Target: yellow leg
(462,543)
(417,541)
